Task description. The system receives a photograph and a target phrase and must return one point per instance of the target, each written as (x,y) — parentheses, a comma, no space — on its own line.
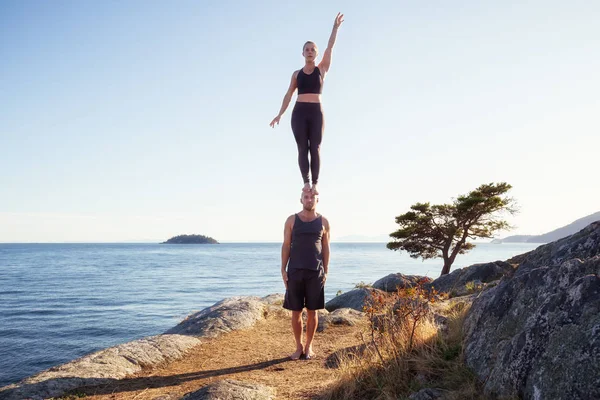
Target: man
(305,253)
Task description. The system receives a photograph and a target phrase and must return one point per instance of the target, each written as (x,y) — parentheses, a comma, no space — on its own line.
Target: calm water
(61,301)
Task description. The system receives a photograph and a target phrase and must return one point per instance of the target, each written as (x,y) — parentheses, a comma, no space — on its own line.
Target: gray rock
(275,299)
(230,389)
(274,305)
(422,379)
(537,335)
(335,359)
(583,245)
(454,304)
(101,367)
(168,396)
(321,314)
(441,321)
(426,394)
(353,299)
(230,314)
(392,282)
(341,316)
(477,274)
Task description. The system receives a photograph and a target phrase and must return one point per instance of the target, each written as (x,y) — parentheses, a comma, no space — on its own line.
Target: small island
(191,239)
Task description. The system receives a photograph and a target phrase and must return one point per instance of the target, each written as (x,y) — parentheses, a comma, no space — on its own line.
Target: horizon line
(223,242)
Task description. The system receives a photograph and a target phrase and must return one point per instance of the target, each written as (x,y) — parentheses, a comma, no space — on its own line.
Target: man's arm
(285,248)
(325,244)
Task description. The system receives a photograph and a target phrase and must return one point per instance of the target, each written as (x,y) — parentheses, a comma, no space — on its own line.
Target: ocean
(59,302)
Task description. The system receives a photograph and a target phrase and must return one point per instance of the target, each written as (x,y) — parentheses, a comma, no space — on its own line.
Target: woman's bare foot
(297,354)
(306,187)
(314,189)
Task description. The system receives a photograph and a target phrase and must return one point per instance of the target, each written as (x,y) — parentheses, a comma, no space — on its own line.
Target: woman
(307,117)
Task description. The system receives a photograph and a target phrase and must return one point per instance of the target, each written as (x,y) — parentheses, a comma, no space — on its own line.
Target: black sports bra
(312,83)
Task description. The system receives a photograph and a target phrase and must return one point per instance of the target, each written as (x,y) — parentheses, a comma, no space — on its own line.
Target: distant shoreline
(235,242)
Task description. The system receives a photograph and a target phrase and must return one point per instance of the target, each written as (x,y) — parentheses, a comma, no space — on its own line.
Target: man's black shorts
(305,288)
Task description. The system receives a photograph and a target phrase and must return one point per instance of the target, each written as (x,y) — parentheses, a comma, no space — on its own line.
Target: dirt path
(258,355)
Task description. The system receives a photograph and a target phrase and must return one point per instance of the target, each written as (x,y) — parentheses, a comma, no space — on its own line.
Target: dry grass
(404,351)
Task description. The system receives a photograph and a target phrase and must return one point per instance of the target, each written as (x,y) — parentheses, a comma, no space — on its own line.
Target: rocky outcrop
(101,367)
(427,394)
(275,299)
(233,313)
(536,335)
(583,244)
(168,396)
(229,389)
(336,359)
(392,282)
(353,299)
(458,282)
(341,316)
(321,316)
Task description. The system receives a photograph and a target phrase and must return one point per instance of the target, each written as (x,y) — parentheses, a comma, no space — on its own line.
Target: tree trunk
(446,269)
(447,262)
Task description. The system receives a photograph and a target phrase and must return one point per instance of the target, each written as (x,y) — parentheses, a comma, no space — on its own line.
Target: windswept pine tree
(443,231)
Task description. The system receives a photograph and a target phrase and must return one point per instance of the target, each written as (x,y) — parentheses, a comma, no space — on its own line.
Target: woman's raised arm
(326,61)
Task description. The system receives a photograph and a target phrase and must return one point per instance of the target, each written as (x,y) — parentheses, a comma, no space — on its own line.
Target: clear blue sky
(140,120)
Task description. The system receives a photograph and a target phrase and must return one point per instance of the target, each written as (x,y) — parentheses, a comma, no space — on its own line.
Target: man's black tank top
(312,83)
(306,249)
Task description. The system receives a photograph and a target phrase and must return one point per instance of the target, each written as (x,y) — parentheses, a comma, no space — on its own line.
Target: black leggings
(307,125)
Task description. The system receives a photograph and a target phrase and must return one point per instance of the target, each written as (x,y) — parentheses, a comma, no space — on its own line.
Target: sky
(141,120)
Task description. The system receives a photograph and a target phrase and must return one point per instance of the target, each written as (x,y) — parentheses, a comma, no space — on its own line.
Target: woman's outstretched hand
(338,20)
(275,121)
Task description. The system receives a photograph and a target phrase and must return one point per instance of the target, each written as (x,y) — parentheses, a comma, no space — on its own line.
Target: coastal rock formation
(168,396)
(335,359)
(537,333)
(353,299)
(275,299)
(392,282)
(229,314)
(229,389)
(341,316)
(101,367)
(321,315)
(583,244)
(427,394)
(456,282)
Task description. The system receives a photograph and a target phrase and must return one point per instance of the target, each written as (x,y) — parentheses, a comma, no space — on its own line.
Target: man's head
(309,200)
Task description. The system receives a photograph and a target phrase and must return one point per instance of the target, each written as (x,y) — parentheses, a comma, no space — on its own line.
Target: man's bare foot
(297,354)
(314,189)
(309,353)
(306,187)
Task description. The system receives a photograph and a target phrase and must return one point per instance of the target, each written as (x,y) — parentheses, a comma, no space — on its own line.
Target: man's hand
(285,278)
